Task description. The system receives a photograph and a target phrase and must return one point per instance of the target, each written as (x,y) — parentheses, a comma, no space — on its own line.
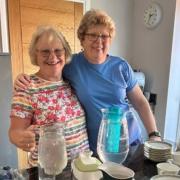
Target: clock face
(152,15)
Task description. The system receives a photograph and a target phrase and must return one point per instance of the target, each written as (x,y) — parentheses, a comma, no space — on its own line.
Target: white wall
(152,52)
(147,50)
(8,154)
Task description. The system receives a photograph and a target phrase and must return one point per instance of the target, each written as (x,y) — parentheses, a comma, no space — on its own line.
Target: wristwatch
(155,133)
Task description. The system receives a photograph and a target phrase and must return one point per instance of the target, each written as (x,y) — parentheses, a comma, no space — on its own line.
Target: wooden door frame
(86,4)
(4,44)
(15,36)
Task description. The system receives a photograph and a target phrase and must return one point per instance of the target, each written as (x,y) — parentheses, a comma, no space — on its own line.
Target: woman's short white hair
(52,31)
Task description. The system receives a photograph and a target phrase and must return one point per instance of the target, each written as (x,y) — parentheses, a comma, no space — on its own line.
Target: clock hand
(150,15)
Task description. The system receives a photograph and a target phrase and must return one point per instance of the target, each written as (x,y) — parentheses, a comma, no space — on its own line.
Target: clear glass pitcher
(113,138)
(52,156)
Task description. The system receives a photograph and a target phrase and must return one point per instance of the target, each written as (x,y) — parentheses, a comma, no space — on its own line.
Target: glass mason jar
(52,155)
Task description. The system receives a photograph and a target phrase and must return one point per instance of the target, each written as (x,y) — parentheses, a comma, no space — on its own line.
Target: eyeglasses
(46,52)
(94,37)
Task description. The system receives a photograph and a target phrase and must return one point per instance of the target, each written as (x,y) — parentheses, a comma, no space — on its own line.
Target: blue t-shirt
(101,86)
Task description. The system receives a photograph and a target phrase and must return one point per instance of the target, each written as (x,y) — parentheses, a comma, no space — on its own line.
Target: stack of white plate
(157,151)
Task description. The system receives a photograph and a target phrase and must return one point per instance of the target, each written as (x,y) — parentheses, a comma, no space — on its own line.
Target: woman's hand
(24,138)
(155,138)
(21,82)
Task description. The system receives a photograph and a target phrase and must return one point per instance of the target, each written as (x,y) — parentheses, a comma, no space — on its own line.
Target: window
(4,44)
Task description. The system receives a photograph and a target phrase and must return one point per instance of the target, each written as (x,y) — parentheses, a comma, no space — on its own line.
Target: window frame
(4,41)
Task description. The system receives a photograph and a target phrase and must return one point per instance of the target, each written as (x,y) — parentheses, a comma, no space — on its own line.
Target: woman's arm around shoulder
(22,81)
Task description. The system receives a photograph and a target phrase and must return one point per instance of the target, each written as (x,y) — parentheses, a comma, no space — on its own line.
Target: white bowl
(176,157)
(173,162)
(167,169)
(165,177)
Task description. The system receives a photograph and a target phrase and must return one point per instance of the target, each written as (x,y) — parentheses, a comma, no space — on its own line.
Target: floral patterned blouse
(47,102)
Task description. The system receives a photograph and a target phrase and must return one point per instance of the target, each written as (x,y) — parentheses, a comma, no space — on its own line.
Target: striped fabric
(47,102)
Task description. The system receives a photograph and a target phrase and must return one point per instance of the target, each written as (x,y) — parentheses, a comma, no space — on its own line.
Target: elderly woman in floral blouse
(48,98)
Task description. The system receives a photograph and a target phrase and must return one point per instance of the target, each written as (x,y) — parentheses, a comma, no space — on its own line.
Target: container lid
(86,163)
(115,113)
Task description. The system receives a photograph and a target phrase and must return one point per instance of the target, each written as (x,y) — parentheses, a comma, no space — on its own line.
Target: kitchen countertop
(144,169)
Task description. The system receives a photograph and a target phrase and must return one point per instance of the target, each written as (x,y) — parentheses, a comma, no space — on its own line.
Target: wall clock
(152,15)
